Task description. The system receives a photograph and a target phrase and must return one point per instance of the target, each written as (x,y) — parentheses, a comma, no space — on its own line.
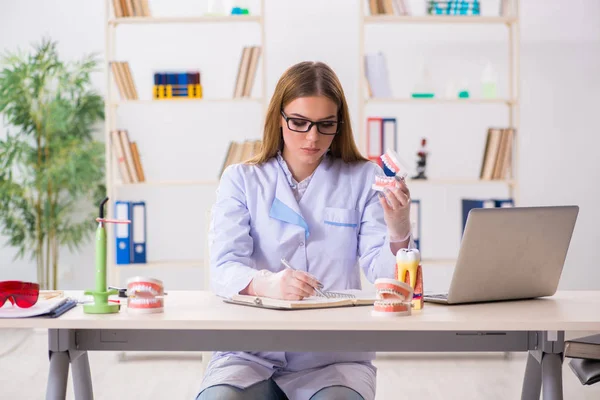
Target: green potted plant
(51,168)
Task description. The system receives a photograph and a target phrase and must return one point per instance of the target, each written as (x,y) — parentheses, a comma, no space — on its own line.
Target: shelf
(185,20)
(163,264)
(435,19)
(186,100)
(465,181)
(169,183)
(438,261)
(386,100)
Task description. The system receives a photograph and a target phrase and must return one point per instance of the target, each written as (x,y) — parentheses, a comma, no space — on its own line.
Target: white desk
(199,321)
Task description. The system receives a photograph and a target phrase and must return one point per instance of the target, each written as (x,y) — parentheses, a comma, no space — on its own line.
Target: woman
(305,197)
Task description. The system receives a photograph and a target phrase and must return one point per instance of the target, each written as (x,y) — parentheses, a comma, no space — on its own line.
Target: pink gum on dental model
(382,182)
(145,295)
(394,298)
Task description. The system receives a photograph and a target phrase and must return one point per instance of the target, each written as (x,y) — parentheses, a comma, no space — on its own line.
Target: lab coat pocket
(341,227)
(342,217)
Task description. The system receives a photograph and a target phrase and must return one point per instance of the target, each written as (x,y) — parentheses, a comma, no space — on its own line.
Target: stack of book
(454,7)
(246,71)
(497,156)
(131,8)
(388,7)
(128,157)
(240,152)
(177,85)
(122,75)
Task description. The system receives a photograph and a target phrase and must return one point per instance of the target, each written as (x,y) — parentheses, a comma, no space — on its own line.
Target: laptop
(509,254)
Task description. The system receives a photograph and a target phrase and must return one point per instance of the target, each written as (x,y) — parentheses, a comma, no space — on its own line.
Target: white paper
(41,307)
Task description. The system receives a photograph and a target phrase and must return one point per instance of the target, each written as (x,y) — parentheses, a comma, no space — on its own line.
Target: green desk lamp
(100,304)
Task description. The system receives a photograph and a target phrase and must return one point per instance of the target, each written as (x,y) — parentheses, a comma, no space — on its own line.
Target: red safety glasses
(23,294)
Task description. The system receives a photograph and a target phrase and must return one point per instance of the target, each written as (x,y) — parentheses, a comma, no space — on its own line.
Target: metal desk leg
(532,384)
(82,378)
(544,367)
(62,348)
(57,377)
(552,376)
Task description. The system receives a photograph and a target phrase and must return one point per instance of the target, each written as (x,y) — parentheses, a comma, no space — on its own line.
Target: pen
(319,284)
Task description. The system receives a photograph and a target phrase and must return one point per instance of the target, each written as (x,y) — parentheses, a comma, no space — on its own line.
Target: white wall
(560,60)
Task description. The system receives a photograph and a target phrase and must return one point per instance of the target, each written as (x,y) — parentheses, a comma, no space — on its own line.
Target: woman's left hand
(396,211)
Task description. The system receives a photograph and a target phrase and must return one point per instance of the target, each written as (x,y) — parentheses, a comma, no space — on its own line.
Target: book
(585,347)
(125,144)
(43,307)
(138,162)
(240,82)
(120,155)
(238,152)
(253,66)
(587,371)
(497,154)
(376,71)
(342,298)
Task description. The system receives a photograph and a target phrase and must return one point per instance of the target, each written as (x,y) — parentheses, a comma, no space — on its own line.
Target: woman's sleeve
(375,256)
(230,243)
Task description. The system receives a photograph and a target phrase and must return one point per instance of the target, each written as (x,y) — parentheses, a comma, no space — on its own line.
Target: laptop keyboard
(441,296)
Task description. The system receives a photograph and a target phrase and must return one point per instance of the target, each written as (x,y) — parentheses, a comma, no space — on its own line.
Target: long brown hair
(303,80)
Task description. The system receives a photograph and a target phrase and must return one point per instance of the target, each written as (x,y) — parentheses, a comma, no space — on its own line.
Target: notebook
(344,298)
(44,307)
(584,347)
(588,371)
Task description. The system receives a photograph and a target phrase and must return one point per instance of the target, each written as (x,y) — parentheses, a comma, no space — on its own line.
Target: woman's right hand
(287,284)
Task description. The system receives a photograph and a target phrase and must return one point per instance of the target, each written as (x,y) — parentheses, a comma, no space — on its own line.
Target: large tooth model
(408,270)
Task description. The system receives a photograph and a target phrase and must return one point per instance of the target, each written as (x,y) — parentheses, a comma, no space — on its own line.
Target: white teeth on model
(142,301)
(145,289)
(384,179)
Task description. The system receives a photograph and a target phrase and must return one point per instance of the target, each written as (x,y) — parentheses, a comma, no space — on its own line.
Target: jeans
(268,390)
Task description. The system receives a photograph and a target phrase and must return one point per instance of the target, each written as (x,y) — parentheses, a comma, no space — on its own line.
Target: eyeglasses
(304,125)
(24,294)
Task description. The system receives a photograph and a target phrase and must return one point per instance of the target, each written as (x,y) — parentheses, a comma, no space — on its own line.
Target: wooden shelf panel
(389,100)
(185,20)
(187,100)
(168,183)
(438,261)
(435,19)
(460,181)
(164,264)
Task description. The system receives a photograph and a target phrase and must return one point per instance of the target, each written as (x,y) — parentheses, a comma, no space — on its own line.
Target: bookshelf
(509,19)
(115,103)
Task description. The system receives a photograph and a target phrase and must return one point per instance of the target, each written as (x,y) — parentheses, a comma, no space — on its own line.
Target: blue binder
(123,232)
(469,204)
(415,218)
(138,235)
(501,203)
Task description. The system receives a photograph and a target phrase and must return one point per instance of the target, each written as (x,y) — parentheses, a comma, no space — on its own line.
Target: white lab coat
(336,228)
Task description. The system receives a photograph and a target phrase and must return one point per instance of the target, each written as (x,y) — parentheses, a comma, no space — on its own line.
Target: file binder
(123,232)
(415,218)
(469,204)
(138,211)
(375,139)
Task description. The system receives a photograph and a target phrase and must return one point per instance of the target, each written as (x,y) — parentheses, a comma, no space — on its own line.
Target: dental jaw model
(392,164)
(408,270)
(393,169)
(145,295)
(394,298)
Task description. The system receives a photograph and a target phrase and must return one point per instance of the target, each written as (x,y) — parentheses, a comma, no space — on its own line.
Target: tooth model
(408,270)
